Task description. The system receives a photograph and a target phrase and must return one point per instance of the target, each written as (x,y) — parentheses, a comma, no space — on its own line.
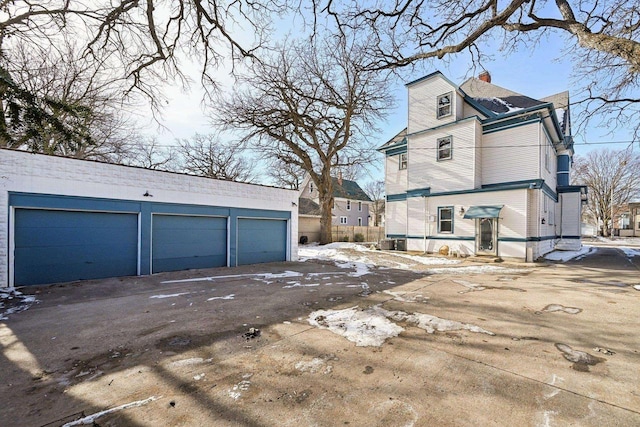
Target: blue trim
(508,124)
(526,239)
(469,100)
(451,237)
(549,192)
(396,151)
(419,192)
(572,189)
(515,113)
(396,197)
(403,142)
(430,75)
(531,184)
(457,122)
(491,211)
(144,209)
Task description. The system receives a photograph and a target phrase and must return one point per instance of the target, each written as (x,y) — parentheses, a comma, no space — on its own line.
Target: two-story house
(482,170)
(350,202)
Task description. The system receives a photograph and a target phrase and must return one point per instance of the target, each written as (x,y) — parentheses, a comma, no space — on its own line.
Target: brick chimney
(485,76)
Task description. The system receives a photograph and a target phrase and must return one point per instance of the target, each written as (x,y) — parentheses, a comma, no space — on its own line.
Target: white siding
(511,154)
(457,173)
(571,212)
(549,174)
(395,179)
(396,217)
(422,104)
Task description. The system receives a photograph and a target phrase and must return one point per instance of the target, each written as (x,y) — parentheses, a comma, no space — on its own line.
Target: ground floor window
(359,222)
(445,219)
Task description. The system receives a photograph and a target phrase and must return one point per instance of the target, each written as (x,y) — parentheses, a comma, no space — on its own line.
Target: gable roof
(349,190)
(308,207)
(500,100)
(397,140)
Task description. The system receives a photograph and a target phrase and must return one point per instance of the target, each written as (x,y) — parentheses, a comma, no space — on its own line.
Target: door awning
(483,212)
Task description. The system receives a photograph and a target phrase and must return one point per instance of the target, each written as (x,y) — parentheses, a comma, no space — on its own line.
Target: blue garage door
(186,242)
(261,240)
(62,246)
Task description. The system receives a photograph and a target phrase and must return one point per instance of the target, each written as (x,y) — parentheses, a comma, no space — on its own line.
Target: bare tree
(140,43)
(286,175)
(78,110)
(375,191)
(600,35)
(206,155)
(149,154)
(311,104)
(612,180)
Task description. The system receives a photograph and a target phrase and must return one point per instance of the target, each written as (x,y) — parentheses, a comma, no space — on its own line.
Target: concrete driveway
(542,345)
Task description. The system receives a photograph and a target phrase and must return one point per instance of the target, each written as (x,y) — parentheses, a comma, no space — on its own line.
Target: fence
(344,233)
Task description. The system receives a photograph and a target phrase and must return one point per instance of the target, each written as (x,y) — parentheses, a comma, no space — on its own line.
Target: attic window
(311,187)
(403,161)
(445,148)
(444,105)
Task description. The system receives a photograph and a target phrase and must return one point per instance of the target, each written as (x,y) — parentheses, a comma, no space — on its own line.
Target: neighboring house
(309,214)
(483,170)
(66,219)
(351,203)
(630,221)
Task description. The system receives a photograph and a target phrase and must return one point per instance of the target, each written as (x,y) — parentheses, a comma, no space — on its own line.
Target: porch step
(485,259)
(568,245)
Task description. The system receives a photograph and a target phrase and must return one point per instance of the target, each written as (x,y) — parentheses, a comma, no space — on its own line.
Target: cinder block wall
(36,173)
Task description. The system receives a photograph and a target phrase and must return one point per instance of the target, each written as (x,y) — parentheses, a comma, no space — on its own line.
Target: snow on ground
(565,256)
(630,252)
(362,259)
(477,269)
(372,326)
(266,276)
(12,301)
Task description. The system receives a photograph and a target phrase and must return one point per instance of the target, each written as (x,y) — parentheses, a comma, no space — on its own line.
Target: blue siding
(173,248)
(261,240)
(61,246)
(187,242)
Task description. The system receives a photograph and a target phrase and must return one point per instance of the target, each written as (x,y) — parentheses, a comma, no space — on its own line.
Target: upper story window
(547,157)
(343,220)
(359,221)
(444,105)
(359,206)
(348,205)
(445,148)
(403,161)
(445,220)
(311,187)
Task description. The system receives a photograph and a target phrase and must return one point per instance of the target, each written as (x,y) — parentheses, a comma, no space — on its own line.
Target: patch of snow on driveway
(162,296)
(630,252)
(371,327)
(13,301)
(364,328)
(477,269)
(565,256)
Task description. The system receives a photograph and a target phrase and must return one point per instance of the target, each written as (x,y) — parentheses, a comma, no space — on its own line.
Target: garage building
(68,219)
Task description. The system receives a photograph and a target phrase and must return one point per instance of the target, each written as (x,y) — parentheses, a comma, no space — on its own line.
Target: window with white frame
(445,219)
(359,206)
(360,221)
(547,156)
(445,148)
(444,105)
(343,220)
(402,161)
(311,187)
(348,205)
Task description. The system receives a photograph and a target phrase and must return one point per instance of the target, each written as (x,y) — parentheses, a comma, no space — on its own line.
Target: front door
(487,236)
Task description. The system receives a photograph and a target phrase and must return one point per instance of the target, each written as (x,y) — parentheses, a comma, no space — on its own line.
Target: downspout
(426,219)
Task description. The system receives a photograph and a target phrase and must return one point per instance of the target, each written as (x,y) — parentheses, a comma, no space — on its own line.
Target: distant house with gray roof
(351,204)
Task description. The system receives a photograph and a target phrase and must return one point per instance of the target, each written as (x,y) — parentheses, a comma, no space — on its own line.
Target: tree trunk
(326,205)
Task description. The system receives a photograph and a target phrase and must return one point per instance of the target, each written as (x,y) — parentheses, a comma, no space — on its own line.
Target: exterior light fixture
(461,212)
(146,194)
